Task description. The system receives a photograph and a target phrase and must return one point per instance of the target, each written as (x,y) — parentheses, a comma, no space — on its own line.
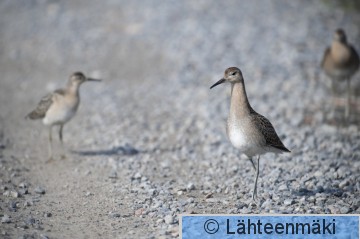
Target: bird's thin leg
(254,195)
(61,141)
(333,97)
(347,107)
(333,87)
(252,162)
(50,144)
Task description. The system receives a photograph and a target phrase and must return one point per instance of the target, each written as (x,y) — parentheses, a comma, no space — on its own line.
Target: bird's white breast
(245,140)
(61,111)
(237,137)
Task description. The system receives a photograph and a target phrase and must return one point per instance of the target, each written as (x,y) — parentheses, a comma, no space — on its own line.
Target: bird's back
(267,130)
(43,106)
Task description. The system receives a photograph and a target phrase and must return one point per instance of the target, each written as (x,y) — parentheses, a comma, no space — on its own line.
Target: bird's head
(339,35)
(231,75)
(78,78)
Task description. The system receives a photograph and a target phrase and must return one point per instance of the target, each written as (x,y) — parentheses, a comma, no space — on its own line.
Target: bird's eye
(234,73)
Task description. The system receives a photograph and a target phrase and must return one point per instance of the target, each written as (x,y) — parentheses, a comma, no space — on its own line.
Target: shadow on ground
(331,191)
(119,150)
(126,150)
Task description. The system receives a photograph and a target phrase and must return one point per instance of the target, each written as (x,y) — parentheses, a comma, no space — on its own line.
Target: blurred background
(179,45)
(157,60)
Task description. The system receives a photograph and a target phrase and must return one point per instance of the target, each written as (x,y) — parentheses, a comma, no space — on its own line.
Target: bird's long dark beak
(92,79)
(218,83)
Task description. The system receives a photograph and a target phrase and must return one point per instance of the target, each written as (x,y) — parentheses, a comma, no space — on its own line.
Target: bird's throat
(239,104)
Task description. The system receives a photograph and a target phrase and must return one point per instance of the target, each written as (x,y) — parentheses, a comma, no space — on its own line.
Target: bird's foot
(255,201)
(255,196)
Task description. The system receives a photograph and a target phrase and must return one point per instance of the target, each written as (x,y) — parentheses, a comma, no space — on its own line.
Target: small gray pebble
(320,200)
(30,220)
(23,185)
(288,202)
(191,186)
(276,197)
(153,192)
(320,189)
(266,204)
(333,209)
(113,174)
(39,190)
(169,219)
(12,206)
(211,200)
(338,193)
(114,215)
(344,210)
(137,176)
(6,193)
(23,191)
(318,174)
(23,225)
(311,199)
(283,187)
(14,194)
(344,183)
(28,203)
(160,220)
(5,219)
(190,200)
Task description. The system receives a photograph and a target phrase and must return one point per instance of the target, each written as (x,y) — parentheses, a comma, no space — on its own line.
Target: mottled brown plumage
(44,105)
(267,129)
(340,62)
(60,106)
(249,131)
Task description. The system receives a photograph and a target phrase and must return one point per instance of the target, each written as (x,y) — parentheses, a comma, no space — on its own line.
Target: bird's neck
(239,104)
(73,89)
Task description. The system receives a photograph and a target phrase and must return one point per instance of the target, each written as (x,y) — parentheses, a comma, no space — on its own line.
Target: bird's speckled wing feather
(44,105)
(355,56)
(266,128)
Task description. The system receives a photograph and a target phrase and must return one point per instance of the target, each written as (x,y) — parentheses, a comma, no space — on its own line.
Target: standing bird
(340,62)
(60,106)
(250,132)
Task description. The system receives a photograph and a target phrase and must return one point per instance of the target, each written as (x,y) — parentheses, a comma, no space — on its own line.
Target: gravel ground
(149,141)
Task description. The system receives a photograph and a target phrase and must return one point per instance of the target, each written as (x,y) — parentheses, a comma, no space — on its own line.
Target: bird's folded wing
(42,107)
(355,57)
(267,129)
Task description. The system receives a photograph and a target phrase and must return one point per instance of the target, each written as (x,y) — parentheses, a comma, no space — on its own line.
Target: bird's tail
(32,115)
